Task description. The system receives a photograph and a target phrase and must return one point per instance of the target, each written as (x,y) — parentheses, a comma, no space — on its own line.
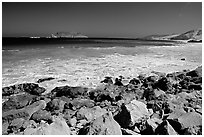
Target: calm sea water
(16,53)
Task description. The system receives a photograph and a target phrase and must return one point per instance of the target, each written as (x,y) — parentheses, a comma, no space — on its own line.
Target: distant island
(68,35)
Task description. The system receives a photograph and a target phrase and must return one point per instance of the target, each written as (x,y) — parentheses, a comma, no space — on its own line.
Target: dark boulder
(67,91)
(195,73)
(30,88)
(107,80)
(45,79)
(164,84)
(134,81)
(118,82)
(106,92)
(24,113)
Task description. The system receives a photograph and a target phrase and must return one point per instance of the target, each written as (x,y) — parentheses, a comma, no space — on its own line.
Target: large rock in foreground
(131,114)
(103,125)
(58,127)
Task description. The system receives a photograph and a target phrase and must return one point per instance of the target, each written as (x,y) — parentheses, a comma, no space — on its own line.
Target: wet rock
(90,113)
(30,88)
(165,129)
(24,113)
(107,80)
(67,91)
(17,102)
(131,114)
(42,115)
(45,79)
(103,125)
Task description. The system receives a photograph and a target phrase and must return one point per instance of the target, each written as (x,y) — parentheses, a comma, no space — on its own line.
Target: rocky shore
(160,104)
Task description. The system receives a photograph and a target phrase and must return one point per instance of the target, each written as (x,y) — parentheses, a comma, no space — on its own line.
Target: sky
(116,19)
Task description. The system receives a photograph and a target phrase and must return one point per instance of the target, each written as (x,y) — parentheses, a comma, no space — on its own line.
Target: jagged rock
(17,102)
(165,129)
(103,125)
(24,113)
(90,113)
(58,127)
(67,91)
(107,80)
(131,114)
(30,88)
(42,115)
(45,79)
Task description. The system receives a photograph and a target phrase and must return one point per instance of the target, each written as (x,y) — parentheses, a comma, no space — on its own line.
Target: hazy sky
(100,19)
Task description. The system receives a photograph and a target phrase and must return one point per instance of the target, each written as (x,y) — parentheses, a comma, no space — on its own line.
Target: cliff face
(192,35)
(68,35)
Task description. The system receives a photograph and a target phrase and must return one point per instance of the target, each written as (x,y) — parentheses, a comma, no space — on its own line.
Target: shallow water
(83,64)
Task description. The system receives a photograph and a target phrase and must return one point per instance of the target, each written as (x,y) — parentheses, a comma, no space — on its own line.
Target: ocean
(78,61)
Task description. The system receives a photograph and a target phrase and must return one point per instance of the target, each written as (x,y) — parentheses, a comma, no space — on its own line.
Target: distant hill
(68,35)
(192,35)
